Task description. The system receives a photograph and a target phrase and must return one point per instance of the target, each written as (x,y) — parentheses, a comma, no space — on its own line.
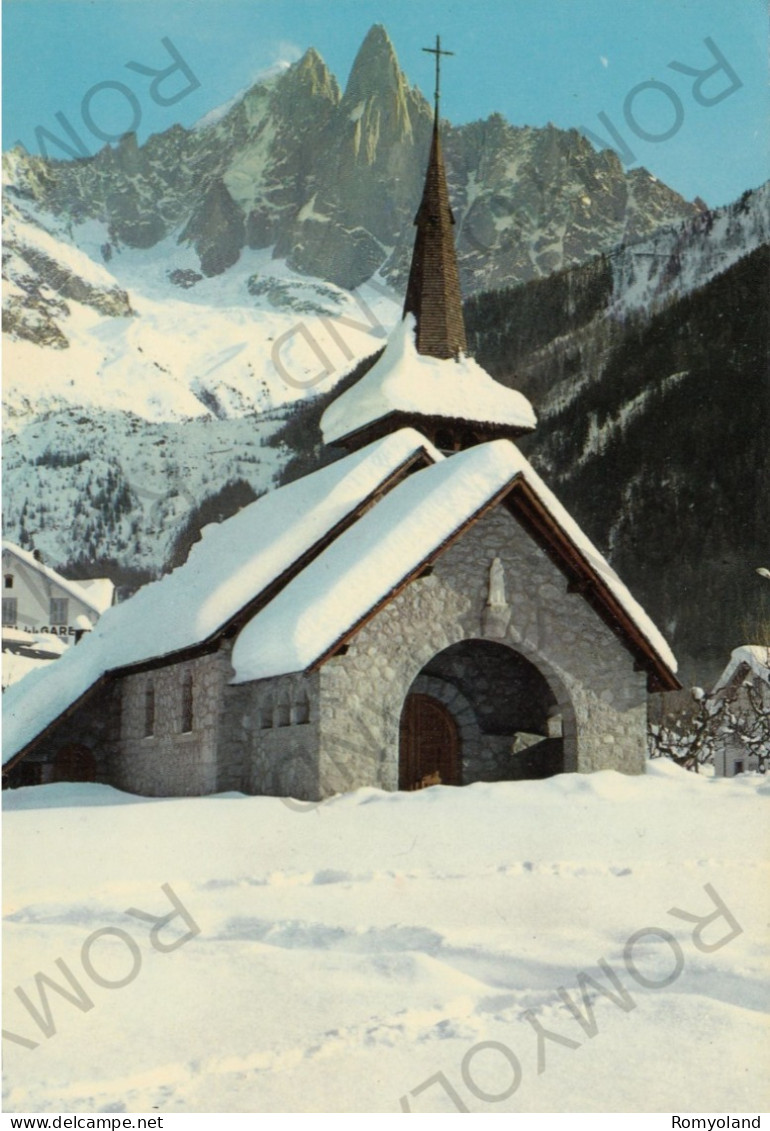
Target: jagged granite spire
(433,291)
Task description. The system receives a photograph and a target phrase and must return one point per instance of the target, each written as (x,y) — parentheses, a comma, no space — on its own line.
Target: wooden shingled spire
(433,292)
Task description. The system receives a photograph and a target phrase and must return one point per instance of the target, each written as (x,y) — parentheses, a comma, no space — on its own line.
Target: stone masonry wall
(601,699)
(310,736)
(269,738)
(170,761)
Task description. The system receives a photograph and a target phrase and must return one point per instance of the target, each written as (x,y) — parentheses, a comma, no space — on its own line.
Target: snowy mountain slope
(113,485)
(336,958)
(529,337)
(682,257)
(129,396)
(130,336)
(42,276)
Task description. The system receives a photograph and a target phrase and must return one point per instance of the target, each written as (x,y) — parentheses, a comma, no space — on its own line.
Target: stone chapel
(422,611)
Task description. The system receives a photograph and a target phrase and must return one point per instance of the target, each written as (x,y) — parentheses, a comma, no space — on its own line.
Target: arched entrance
(429,747)
(481,711)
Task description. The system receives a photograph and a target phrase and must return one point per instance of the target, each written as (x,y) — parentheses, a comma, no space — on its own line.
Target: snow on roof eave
(397,583)
(404,380)
(659,666)
(71,587)
(425,454)
(10,760)
(100,589)
(755,656)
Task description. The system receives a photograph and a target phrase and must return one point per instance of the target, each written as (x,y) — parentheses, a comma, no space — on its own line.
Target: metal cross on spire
(438,53)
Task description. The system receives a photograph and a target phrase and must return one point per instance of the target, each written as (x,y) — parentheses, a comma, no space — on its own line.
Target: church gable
(407,530)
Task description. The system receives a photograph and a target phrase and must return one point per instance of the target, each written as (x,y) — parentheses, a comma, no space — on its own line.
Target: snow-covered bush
(735,714)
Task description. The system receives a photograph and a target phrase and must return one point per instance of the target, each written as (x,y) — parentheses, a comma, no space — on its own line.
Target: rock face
(332,182)
(41,275)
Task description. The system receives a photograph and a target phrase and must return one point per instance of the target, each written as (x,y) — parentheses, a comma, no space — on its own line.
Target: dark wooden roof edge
(554,540)
(421,456)
(401,418)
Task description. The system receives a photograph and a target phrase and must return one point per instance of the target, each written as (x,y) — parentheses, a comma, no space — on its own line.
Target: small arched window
(149,709)
(265,716)
(187,702)
(8,581)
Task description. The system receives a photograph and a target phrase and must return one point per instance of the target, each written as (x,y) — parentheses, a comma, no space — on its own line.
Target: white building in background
(743,742)
(43,612)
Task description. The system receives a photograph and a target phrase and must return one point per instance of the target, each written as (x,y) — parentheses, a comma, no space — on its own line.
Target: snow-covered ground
(378,951)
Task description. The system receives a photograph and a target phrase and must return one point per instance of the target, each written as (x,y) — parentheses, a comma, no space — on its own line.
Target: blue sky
(534,61)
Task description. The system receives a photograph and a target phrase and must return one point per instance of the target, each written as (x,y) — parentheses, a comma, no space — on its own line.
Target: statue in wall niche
(497,615)
(496,598)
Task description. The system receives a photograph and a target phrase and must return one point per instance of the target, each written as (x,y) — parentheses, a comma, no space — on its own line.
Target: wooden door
(429,746)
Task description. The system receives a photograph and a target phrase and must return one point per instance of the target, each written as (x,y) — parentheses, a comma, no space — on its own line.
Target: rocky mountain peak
(375,71)
(332,182)
(311,76)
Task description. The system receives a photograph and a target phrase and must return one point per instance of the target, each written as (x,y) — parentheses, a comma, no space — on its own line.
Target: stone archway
(509,720)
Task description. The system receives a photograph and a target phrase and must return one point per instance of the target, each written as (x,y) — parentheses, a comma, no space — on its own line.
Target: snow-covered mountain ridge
(129,398)
(330,182)
(678,258)
(128,335)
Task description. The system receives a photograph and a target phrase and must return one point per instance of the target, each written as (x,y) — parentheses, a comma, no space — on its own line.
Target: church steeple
(424,378)
(433,292)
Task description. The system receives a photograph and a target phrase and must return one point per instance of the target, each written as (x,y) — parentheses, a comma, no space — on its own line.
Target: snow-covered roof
(755,656)
(101,590)
(387,544)
(405,381)
(232,565)
(91,598)
(18,640)
(16,666)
